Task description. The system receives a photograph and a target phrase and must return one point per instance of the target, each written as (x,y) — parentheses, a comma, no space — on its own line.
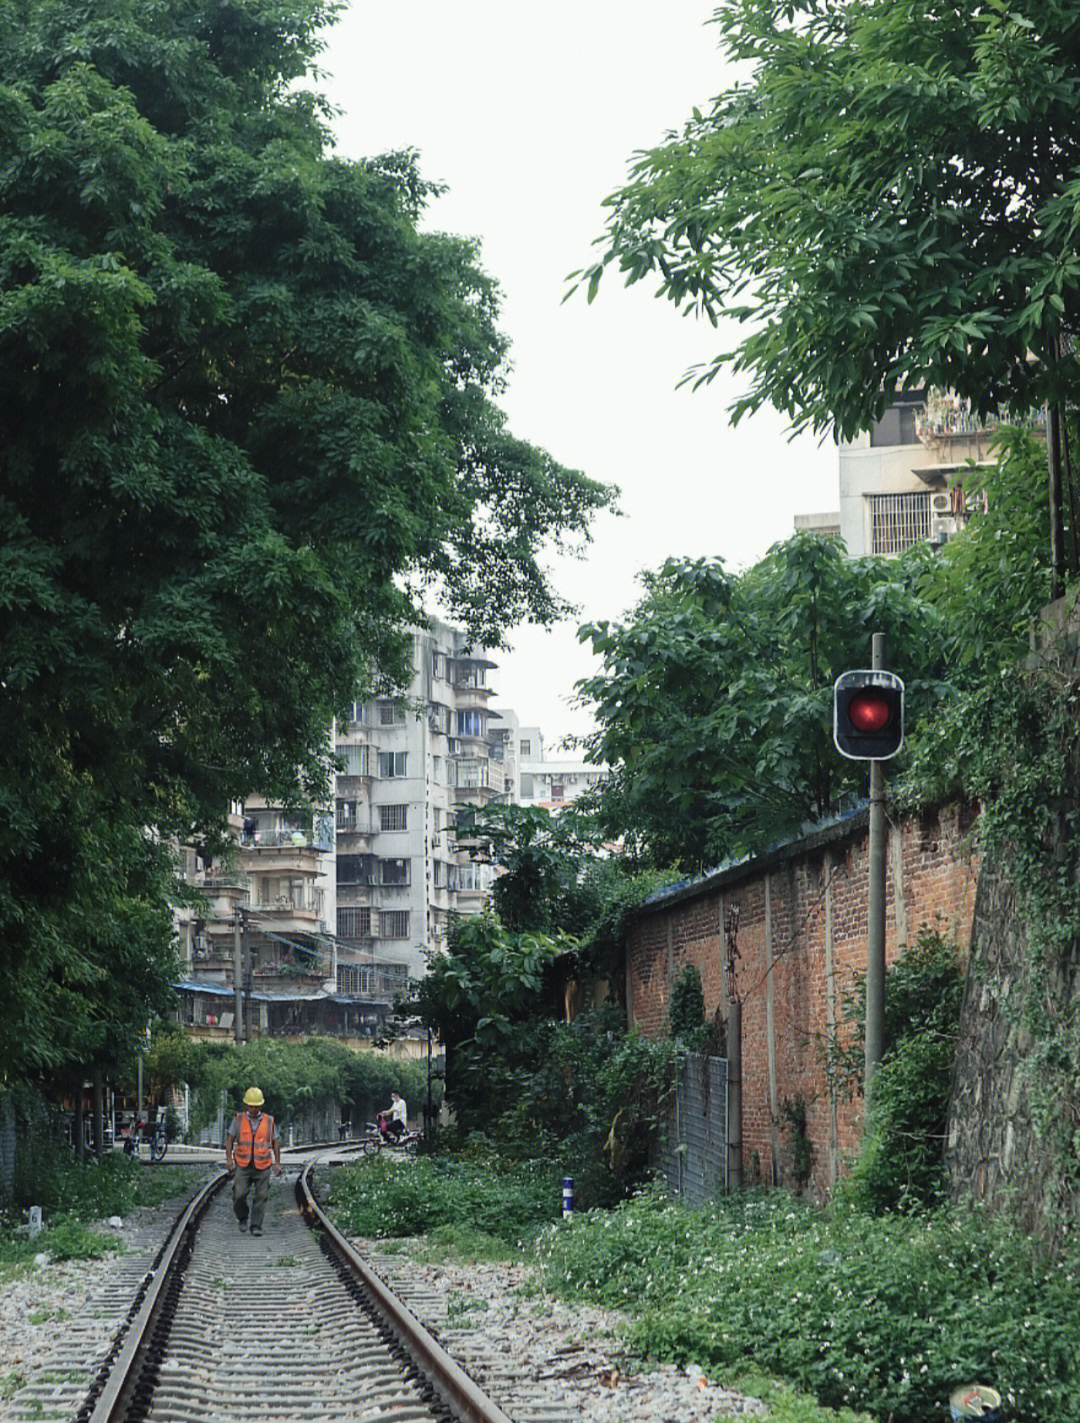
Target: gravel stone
(512,1338)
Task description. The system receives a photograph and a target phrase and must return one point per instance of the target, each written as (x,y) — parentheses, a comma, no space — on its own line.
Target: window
(393,817)
(437,770)
(356,979)
(394,924)
(354,923)
(526,748)
(392,764)
(472,775)
(357,760)
(436,818)
(471,723)
(898,520)
(557,790)
(438,664)
(527,792)
(438,873)
(897,425)
(393,872)
(346,815)
(390,713)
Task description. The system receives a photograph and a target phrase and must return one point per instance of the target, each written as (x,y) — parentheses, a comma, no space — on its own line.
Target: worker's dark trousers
(247,1181)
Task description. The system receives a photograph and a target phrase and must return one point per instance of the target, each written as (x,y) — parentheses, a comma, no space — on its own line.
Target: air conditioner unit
(942,529)
(940,504)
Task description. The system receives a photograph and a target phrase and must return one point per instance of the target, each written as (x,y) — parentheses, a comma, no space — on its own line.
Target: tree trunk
(99,1116)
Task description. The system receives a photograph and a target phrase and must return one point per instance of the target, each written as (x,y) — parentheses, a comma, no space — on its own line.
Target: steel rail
(123,1371)
(454,1387)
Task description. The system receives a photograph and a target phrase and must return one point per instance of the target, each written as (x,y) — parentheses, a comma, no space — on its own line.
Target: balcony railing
(321,839)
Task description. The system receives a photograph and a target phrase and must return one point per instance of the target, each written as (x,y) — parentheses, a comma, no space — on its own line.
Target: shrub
(901,1162)
(686,1011)
(883,1314)
(382,1198)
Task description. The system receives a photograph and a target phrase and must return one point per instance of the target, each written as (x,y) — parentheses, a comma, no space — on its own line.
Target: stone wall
(994,1150)
(801,945)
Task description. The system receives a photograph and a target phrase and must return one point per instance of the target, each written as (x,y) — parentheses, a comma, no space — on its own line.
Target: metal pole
(734,1046)
(238,977)
(875,913)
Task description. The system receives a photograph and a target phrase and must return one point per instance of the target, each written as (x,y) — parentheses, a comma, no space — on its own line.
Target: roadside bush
(383,1198)
(883,1314)
(901,1163)
(591,1099)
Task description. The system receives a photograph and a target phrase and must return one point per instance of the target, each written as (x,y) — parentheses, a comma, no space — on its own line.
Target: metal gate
(694,1155)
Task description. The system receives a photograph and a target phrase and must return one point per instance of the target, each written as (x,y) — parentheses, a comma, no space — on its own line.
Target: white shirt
(399,1112)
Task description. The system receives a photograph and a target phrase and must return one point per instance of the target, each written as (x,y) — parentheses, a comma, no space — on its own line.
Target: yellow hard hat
(253,1097)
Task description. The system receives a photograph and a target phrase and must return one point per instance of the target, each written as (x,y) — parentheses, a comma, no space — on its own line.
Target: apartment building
(409,764)
(536,778)
(901,482)
(322,919)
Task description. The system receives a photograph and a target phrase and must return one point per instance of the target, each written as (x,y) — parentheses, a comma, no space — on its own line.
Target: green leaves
(250,422)
(715,698)
(879,205)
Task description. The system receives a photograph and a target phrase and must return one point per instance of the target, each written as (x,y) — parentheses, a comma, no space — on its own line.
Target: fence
(693,1157)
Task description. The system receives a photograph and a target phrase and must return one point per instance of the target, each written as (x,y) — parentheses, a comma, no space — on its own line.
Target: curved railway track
(291,1325)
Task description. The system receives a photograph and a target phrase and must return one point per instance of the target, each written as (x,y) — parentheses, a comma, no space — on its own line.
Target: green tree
(714,701)
(890,197)
(249,427)
(481,997)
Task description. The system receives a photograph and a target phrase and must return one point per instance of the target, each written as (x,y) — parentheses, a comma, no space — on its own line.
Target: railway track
(292,1325)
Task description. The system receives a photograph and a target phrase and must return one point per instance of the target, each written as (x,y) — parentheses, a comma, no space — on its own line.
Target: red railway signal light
(868,715)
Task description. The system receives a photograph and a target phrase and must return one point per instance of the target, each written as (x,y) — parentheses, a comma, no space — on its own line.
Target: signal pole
(875,909)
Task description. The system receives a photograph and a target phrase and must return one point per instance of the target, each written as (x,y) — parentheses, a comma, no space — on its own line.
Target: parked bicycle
(157,1141)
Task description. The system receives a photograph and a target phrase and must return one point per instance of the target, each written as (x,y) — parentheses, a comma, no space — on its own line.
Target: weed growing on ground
(457,1203)
(886,1314)
(90,1189)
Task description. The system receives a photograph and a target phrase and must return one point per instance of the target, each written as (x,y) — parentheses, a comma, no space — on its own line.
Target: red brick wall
(801,943)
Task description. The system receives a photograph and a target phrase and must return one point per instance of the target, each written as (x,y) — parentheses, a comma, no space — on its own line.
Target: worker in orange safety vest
(252,1146)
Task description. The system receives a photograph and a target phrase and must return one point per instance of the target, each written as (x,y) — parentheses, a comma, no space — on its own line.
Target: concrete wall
(801,943)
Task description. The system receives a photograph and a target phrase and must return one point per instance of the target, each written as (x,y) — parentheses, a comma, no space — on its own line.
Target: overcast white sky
(530,113)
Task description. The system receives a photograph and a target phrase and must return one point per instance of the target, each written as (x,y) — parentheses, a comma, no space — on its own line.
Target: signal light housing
(868,715)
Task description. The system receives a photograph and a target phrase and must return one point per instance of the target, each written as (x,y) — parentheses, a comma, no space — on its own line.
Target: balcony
(320,837)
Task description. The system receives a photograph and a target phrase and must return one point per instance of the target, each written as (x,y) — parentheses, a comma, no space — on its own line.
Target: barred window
(394,872)
(898,520)
(390,713)
(354,923)
(393,817)
(395,924)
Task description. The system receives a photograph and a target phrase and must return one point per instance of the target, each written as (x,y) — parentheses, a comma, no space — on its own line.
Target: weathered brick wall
(801,944)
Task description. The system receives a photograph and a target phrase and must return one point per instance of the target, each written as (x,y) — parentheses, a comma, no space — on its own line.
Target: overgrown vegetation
(886,1314)
(476,1202)
(901,1161)
(299,1080)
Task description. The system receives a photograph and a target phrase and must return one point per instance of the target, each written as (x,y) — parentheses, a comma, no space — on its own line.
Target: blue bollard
(568,1197)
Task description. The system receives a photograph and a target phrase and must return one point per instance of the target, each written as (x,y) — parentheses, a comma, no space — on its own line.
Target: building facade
(901,482)
(409,764)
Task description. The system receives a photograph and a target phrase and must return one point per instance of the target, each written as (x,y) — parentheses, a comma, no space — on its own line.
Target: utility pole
(875,913)
(238,975)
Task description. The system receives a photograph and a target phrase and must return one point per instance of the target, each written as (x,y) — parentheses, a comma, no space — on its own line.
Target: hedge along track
(290,1325)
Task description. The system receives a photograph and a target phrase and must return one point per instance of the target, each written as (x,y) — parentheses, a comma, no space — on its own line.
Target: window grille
(393,817)
(354,923)
(393,764)
(395,924)
(390,713)
(898,520)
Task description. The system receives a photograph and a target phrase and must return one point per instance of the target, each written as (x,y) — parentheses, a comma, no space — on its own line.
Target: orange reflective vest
(258,1142)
